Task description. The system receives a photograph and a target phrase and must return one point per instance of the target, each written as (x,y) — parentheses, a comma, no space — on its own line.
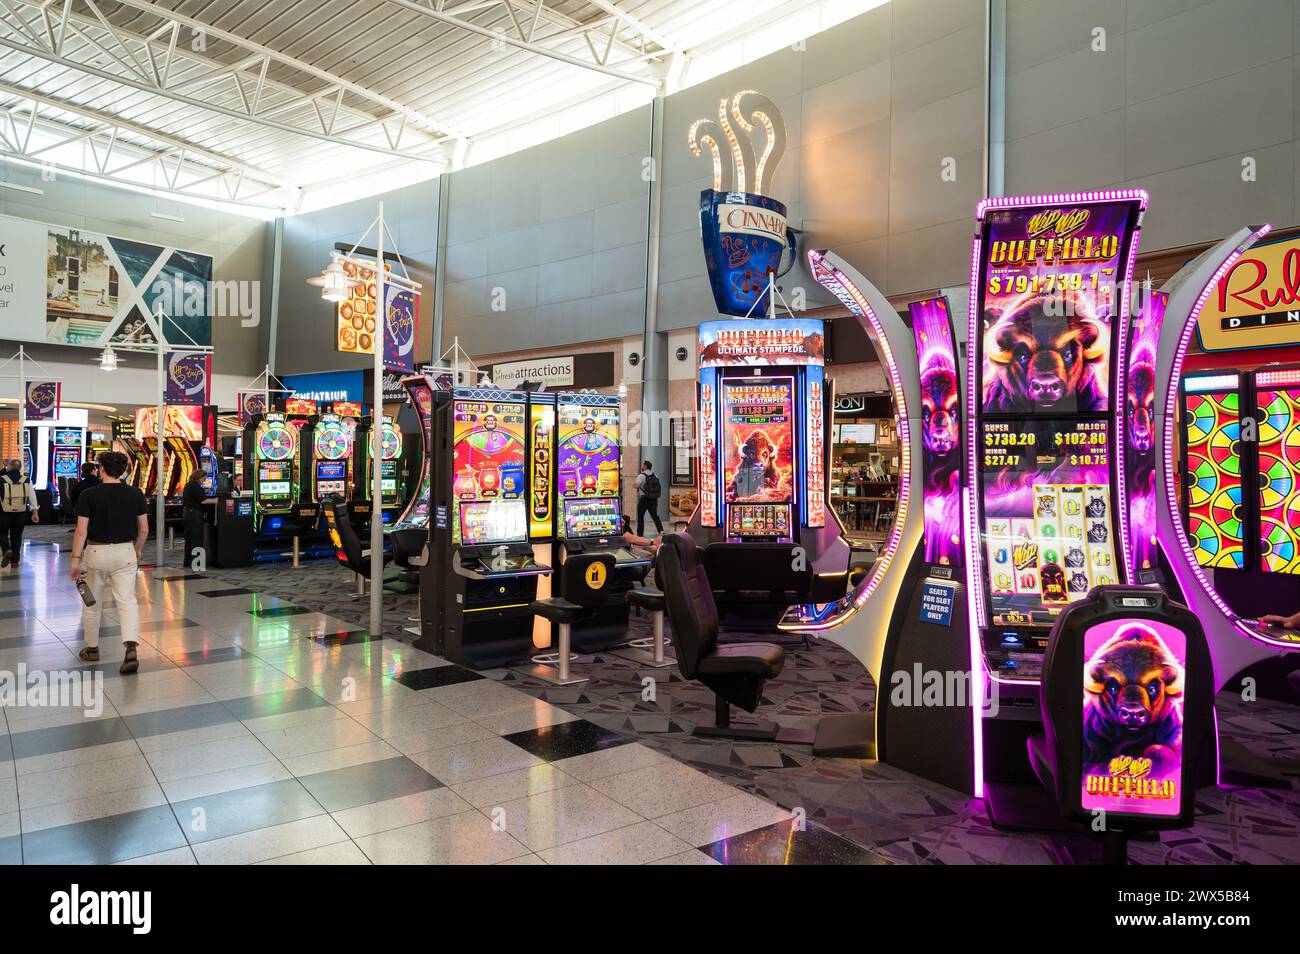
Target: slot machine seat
(736,673)
(349,549)
(1057,755)
(583,578)
(648,651)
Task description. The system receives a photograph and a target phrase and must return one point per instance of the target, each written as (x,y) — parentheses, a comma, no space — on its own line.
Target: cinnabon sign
(750,220)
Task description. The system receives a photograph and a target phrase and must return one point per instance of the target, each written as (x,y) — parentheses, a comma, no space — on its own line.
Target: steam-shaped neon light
(735,124)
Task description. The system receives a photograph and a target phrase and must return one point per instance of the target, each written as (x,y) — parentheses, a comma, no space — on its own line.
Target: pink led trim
(974,552)
(1171,411)
(1120,409)
(1061,198)
(857,303)
(1274,378)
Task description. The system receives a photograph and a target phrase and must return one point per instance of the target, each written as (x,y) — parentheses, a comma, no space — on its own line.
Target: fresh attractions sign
(1257,303)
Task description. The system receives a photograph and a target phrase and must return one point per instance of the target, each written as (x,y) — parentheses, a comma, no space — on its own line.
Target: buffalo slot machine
(1048,323)
(765,404)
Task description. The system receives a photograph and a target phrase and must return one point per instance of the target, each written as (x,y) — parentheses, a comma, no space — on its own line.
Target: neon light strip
(1061,198)
(1216,382)
(1276,378)
(1119,419)
(974,551)
(843,288)
(1171,410)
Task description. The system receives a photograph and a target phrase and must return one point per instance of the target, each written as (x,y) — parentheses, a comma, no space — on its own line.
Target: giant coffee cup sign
(744,232)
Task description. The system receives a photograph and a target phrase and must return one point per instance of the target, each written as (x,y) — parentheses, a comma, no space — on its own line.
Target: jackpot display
(1133,765)
(587,453)
(487,466)
(1213,494)
(941,417)
(1049,317)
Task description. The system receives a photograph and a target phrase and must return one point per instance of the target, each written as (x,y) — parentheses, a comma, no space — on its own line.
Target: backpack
(15,495)
(652,487)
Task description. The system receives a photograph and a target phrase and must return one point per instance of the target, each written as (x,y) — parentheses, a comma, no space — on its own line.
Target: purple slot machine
(1214,498)
(1049,314)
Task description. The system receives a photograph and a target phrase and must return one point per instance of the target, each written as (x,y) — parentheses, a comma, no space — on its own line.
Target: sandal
(130,663)
(89,654)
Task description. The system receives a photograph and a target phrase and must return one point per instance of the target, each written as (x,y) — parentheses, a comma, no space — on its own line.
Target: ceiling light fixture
(108,359)
(333,282)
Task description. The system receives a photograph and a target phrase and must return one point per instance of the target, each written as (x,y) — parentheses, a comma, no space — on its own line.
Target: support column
(995,107)
(440,265)
(656,437)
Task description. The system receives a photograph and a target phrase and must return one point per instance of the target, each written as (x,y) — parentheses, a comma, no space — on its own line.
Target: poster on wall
(1125,770)
(102,290)
(189,379)
(41,402)
(941,417)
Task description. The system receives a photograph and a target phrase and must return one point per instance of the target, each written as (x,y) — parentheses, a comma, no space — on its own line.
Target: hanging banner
(42,400)
(399,329)
(250,403)
(189,379)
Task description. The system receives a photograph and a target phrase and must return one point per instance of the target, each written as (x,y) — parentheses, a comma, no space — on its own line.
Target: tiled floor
(267,725)
(259,730)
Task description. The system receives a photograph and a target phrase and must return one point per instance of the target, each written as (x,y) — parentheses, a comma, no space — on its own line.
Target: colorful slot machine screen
(492,521)
(1049,532)
(587,453)
(1278,401)
(758,441)
(592,518)
(1124,772)
(1213,489)
(488,452)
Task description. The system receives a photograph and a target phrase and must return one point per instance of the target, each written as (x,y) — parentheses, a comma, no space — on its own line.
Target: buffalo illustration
(1039,360)
(757,470)
(1132,702)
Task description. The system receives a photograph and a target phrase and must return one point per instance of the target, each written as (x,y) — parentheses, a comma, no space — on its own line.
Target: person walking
(17,503)
(192,514)
(648,489)
(112,526)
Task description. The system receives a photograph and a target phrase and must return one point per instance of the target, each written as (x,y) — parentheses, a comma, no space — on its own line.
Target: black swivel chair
(736,672)
(1123,668)
(347,545)
(583,578)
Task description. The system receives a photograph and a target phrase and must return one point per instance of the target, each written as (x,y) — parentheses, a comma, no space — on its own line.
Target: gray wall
(305,332)
(1183,92)
(872,109)
(560,230)
(236,243)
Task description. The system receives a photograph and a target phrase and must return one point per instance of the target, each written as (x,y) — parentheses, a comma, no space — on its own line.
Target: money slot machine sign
(588,451)
(488,452)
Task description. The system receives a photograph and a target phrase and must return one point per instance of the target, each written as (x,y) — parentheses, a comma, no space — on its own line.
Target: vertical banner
(940,430)
(42,400)
(399,329)
(707,446)
(1140,430)
(189,378)
(814,458)
(250,403)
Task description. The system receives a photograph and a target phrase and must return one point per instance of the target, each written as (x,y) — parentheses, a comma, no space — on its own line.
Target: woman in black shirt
(192,513)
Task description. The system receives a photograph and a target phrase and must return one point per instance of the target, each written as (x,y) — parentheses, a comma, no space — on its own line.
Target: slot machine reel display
(391,473)
(331,458)
(273,466)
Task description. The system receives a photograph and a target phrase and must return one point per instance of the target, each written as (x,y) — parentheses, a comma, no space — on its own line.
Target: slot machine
(482,574)
(391,475)
(331,457)
(765,405)
(1049,327)
(587,468)
(271,470)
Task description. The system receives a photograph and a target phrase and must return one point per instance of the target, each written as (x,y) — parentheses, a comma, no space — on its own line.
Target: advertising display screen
(492,521)
(331,469)
(940,430)
(762,341)
(182,420)
(592,518)
(758,449)
(758,520)
(1213,490)
(1133,678)
(1278,401)
(1049,283)
(1048,527)
(588,452)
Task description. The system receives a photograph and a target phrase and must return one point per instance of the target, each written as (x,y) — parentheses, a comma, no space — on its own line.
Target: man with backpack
(648,490)
(17,500)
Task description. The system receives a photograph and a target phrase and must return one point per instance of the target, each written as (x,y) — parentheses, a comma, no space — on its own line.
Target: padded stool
(649,651)
(583,577)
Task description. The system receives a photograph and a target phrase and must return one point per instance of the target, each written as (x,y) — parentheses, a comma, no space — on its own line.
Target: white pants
(111,566)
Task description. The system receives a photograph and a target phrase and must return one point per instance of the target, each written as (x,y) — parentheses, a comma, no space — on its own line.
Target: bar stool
(649,650)
(583,578)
